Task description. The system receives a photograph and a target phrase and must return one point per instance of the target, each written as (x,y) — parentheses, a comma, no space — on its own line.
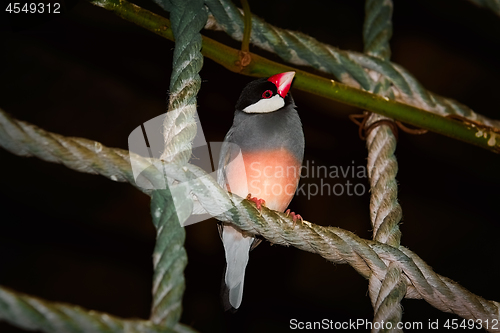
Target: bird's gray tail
(237,248)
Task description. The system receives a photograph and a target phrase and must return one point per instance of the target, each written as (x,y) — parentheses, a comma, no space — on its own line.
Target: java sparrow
(267,137)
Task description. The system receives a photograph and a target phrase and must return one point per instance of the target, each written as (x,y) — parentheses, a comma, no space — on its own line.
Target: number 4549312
(33,7)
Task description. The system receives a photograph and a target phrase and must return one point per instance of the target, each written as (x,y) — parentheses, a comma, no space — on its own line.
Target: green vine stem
(245,44)
(485,137)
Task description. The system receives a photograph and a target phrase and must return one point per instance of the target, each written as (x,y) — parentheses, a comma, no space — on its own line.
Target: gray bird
(260,159)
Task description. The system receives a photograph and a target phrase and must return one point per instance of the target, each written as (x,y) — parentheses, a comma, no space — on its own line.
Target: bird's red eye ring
(267,94)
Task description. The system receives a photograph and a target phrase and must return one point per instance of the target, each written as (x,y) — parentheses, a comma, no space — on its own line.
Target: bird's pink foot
(294,216)
(258,202)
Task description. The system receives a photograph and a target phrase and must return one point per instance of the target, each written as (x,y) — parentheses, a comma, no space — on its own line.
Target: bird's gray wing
(236,245)
(224,158)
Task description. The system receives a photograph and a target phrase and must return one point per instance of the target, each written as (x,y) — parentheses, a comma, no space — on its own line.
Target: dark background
(83,239)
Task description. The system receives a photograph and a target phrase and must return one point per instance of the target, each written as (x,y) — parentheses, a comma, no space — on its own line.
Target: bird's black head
(266,95)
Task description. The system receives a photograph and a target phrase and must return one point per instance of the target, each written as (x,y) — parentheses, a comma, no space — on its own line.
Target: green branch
(487,138)
(245,44)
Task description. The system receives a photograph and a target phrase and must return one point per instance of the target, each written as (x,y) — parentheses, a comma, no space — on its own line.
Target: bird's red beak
(283,82)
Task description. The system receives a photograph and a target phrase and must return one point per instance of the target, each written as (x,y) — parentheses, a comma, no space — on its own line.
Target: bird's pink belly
(270,175)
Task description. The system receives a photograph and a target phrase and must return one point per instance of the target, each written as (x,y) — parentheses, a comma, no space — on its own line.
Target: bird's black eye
(267,94)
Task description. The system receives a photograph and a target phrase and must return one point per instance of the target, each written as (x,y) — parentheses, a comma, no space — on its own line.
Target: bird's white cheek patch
(266,105)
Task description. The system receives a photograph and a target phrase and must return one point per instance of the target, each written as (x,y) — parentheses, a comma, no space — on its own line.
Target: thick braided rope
(339,246)
(169,260)
(493,5)
(188,18)
(179,130)
(385,211)
(352,68)
(377,28)
(83,155)
(32,313)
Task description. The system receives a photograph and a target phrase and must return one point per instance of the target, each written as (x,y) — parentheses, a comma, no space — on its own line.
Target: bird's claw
(294,216)
(258,202)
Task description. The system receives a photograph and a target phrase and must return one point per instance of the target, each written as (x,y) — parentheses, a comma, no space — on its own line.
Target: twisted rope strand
(179,130)
(169,260)
(385,211)
(439,291)
(31,313)
(83,155)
